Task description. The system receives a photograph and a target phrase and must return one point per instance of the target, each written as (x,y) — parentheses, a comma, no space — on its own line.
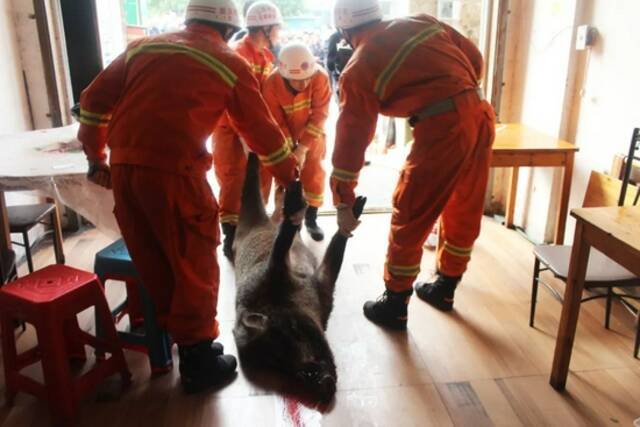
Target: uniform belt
(440,107)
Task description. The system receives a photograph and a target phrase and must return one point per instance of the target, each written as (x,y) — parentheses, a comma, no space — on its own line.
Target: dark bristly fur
(284,298)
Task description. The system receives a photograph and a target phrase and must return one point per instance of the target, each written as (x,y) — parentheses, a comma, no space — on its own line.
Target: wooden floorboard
(479,366)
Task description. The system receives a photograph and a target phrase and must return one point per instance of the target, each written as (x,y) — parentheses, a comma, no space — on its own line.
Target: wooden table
(51,161)
(519,146)
(615,231)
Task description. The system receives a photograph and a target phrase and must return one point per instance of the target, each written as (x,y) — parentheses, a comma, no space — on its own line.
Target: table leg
(57,235)
(5,235)
(570,308)
(563,209)
(511,198)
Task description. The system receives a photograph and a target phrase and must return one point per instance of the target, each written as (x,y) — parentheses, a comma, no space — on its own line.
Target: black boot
(229,231)
(390,310)
(311,223)
(438,293)
(203,365)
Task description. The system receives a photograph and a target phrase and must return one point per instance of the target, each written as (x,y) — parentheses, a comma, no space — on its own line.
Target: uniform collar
(204,29)
(365,35)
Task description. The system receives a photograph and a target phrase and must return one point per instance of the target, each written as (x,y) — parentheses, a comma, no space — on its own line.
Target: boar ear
(257,321)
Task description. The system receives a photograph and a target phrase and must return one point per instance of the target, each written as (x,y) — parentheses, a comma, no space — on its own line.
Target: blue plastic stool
(114,263)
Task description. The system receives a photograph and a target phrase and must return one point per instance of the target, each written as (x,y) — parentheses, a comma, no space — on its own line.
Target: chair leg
(607,315)
(637,346)
(27,250)
(534,292)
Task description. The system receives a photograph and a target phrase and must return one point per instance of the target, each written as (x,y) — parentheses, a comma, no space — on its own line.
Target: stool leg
(27,250)
(74,341)
(157,339)
(136,316)
(110,337)
(99,352)
(9,355)
(61,393)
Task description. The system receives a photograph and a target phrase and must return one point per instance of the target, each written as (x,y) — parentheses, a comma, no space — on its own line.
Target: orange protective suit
(229,157)
(155,106)
(398,69)
(301,116)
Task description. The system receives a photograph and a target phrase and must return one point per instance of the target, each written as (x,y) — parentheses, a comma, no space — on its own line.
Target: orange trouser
(230,164)
(313,174)
(445,175)
(170,225)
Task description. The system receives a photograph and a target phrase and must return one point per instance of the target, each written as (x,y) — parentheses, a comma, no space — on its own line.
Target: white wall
(547,65)
(26,32)
(609,99)
(14,107)
(597,113)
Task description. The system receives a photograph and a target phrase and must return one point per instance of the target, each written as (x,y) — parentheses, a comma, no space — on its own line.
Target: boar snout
(318,379)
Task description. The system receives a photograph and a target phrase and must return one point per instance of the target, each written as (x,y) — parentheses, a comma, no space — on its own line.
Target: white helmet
(263,14)
(348,14)
(218,11)
(296,62)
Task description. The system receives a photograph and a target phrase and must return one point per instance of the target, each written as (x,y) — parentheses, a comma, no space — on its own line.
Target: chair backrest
(632,155)
(604,190)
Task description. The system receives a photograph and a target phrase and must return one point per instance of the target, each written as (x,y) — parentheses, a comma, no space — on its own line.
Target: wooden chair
(602,272)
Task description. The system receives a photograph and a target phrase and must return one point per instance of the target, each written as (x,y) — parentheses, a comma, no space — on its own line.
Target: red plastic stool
(50,299)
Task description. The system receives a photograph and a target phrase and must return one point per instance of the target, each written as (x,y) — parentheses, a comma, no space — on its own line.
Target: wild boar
(284,298)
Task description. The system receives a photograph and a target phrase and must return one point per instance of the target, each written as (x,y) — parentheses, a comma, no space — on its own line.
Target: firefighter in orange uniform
(155,106)
(424,70)
(263,23)
(298,94)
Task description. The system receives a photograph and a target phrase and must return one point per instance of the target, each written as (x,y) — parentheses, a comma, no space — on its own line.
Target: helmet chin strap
(230,31)
(267,33)
(346,35)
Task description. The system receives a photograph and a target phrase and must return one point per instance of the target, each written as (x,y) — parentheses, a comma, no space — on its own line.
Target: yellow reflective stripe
(277,156)
(289,142)
(316,197)
(388,73)
(458,251)
(301,105)
(404,271)
(344,175)
(314,130)
(204,58)
(91,122)
(266,69)
(226,219)
(97,116)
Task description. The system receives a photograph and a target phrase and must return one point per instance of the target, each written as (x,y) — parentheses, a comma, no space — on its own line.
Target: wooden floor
(479,366)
